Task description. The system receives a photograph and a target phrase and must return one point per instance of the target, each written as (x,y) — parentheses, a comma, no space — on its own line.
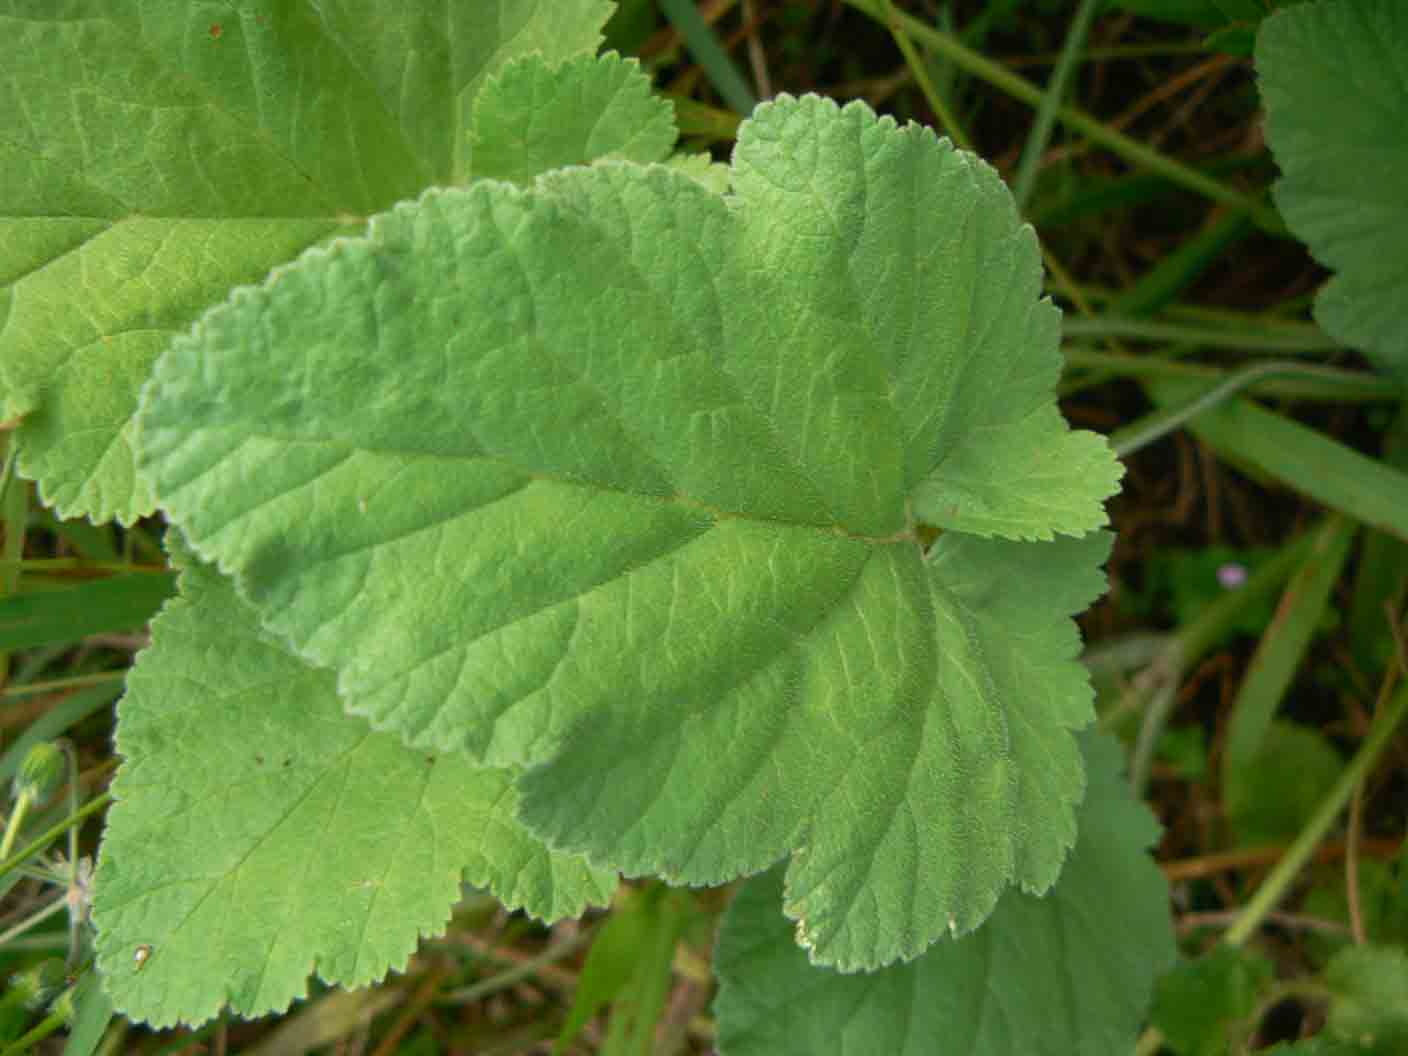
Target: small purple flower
(1232,575)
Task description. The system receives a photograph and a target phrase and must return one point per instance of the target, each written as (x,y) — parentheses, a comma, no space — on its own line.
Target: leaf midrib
(908,534)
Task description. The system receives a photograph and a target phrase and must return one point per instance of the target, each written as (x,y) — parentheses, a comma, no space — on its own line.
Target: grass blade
(703,44)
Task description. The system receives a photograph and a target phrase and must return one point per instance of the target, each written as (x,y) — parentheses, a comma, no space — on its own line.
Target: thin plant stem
(1113,52)
(920,71)
(1248,857)
(1072,290)
(757,57)
(75,896)
(7,470)
(1131,150)
(1155,426)
(79,564)
(52,1022)
(36,942)
(12,826)
(704,45)
(1351,866)
(23,855)
(1273,889)
(13,512)
(51,907)
(494,984)
(1040,134)
(1158,683)
(1150,730)
(58,684)
(1308,383)
(1293,921)
(1306,340)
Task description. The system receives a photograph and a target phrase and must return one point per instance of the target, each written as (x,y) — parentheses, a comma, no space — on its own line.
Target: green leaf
(1318,466)
(1021,479)
(1206,1004)
(1324,1046)
(615,478)
(1185,750)
(1370,1002)
(612,961)
(638,1004)
(261,834)
(1068,973)
(704,170)
(93,1012)
(156,157)
(1331,74)
(112,604)
(532,117)
(1274,792)
(1283,649)
(1383,903)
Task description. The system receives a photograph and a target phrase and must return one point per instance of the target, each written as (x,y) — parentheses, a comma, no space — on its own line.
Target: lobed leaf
(1335,81)
(1068,973)
(627,482)
(155,155)
(260,834)
(532,117)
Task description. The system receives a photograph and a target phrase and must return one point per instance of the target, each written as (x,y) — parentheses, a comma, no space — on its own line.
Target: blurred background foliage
(1250,636)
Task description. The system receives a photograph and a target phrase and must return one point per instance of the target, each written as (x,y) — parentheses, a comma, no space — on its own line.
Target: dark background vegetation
(1189,522)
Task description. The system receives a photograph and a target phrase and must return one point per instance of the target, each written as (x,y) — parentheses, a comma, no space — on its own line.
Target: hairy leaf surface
(1334,76)
(154,155)
(1068,973)
(621,480)
(531,117)
(261,834)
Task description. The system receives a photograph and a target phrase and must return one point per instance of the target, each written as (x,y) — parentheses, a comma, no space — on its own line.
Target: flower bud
(41,773)
(37,986)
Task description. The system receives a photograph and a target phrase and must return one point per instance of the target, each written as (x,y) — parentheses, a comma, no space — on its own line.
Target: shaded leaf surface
(262,834)
(153,157)
(1068,973)
(1271,796)
(1370,1002)
(618,479)
(1205,1004)
(1334,76)
(532,117)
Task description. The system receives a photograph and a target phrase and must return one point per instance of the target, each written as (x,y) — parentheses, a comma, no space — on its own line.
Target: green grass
(1179,279)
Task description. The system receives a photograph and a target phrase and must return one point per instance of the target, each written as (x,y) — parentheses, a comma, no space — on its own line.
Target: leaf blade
(157,159)
(1332,78)
(654,454)
(238,761)
(999,992)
